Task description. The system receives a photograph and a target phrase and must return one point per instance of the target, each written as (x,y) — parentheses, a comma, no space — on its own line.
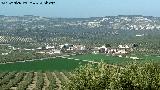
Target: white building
(57,51)
(4,53)
(50,47)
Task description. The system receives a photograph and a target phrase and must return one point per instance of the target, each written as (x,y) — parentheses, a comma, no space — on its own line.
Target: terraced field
(33,80)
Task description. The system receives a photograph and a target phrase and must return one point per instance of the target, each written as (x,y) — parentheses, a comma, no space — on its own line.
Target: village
(50,50)
(82,49)
(70,48)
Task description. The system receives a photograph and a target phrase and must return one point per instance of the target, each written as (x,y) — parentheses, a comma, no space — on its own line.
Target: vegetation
(7,78)
(18,55)
(134,76)
(52,79)
(40,81)
(34,81)
(23,85)
(31,32)
(14,81)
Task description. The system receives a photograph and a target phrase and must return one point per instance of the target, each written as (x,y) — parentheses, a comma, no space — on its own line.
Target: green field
(56,64)
(115,59)
(64,64)
(60,64)
(102,57)
(150,58)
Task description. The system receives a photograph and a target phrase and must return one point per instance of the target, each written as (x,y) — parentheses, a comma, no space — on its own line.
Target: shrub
(133,76)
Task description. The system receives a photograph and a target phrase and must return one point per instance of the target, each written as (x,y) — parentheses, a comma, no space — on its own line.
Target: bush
(133,76)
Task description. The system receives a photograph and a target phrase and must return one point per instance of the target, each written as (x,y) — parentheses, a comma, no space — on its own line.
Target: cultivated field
(102,57)
(115,59)
(55,64)
(53,73)
(33,80)
(70,63)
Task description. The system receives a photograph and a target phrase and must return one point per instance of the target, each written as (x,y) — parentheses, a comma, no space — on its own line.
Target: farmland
(70,63)
(115,59)
(33,80)
(61,63)
(51,73)
(55,64)
(33,76)
(102,57)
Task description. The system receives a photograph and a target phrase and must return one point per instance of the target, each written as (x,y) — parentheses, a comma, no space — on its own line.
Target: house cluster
(65,48)
(48,50)
(77,48)
(71,48)
(120,50)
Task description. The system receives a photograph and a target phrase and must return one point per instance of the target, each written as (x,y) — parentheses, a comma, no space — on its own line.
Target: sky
(83,8)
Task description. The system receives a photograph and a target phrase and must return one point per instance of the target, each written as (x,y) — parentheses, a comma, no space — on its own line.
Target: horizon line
(120,15)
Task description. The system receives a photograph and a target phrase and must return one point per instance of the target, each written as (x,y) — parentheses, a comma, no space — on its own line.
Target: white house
(57,51)
(50,47)
(4,53)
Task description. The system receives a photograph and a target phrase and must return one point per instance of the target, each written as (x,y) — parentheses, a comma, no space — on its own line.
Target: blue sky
(84,8)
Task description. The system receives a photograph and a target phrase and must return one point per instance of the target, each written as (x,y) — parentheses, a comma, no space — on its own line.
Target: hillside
(117,29)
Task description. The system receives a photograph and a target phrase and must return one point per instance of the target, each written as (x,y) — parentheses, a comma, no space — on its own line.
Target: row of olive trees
(133,76)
